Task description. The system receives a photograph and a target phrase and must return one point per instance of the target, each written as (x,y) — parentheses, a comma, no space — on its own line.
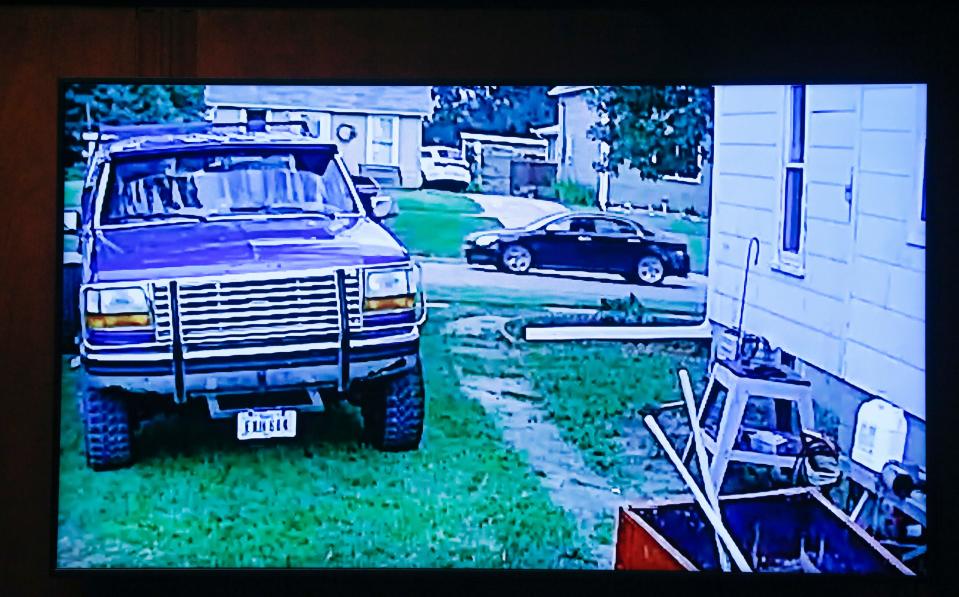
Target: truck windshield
(231,182)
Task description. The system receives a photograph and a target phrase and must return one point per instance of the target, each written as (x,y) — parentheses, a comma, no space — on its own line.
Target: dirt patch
(590,496)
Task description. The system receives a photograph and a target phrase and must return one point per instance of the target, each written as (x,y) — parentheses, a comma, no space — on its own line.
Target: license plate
(264,424)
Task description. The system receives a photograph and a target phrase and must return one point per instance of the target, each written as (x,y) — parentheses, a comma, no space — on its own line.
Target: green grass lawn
(198,497)
(71,200)
(595,391)
(433,223)
(71,193)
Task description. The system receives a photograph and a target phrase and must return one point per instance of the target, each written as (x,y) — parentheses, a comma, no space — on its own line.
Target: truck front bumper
(230,372)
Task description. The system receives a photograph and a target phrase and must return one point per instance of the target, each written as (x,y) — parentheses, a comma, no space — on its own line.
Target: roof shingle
(392,99)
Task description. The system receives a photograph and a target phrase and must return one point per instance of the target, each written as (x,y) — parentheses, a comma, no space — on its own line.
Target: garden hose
(817,463)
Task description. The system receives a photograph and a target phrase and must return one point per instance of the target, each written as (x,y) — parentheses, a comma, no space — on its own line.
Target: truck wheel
(108,432)
(393,411)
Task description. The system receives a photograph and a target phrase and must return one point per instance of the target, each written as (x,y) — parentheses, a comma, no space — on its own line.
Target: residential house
(576,153)
(830,180)
(378,129)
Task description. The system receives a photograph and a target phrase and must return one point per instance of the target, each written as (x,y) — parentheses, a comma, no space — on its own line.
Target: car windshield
(541,222)
(229,182)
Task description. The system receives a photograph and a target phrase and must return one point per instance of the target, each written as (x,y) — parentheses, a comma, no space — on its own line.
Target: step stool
(741,384)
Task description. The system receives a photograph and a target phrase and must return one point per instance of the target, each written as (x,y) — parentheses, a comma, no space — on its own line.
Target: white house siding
(857,311)
(576,153)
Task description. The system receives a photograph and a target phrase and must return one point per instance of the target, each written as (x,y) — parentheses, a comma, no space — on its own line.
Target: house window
(688,167)
(792,213)
(917,223)
(382,140)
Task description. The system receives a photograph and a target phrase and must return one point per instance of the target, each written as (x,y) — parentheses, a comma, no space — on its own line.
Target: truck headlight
(389,289)
(117,308)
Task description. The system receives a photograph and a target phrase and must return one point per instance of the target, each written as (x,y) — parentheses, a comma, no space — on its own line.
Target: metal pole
(697,437)
(711,514)
(742,303)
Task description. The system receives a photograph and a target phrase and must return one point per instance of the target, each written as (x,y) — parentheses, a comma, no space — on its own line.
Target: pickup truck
(238,265)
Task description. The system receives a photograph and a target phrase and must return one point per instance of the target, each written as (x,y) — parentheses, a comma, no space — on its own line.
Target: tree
(123,104)
(502,109)
(657,131)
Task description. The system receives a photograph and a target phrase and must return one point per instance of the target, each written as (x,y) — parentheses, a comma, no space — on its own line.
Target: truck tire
(393,411)
(108,430)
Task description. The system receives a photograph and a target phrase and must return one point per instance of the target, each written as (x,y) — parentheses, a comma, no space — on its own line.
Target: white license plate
(264,424)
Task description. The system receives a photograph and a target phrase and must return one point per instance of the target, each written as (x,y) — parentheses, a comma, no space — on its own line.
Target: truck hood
(183,250)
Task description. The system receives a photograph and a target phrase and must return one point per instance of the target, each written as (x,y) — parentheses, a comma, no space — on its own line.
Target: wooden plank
(711,514)
(697,439)
(858,530)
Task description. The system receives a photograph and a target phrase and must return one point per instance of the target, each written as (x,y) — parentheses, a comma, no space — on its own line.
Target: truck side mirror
(71,221)
(382,206)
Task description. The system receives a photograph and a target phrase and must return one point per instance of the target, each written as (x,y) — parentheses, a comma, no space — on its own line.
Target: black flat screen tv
(635,327)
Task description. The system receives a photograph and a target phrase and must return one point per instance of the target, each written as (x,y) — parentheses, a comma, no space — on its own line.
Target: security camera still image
(531,327)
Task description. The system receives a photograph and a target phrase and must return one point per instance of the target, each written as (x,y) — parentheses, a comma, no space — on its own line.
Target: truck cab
(239,266)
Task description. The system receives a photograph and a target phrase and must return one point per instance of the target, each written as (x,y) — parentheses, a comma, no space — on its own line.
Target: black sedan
(583,241)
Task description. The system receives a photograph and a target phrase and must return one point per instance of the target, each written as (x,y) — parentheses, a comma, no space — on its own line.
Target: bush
(573,193)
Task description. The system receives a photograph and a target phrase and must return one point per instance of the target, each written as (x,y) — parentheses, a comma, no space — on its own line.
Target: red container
(770,528)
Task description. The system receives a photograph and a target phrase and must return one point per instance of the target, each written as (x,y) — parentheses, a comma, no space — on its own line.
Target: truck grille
(260,311)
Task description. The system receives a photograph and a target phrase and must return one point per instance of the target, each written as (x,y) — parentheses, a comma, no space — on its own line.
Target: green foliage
(656,131)
(573,193)
(433,223)
(503,109)
(114,104)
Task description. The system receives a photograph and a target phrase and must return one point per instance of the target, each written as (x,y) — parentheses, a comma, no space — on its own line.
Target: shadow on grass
(192,433)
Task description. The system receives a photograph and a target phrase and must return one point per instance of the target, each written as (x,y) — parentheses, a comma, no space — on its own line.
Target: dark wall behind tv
(665,42)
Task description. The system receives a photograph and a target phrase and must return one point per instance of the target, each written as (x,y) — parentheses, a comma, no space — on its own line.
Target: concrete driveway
(515,212)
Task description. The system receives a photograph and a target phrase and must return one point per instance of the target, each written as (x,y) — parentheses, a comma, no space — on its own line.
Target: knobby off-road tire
(393,411)
(108,430)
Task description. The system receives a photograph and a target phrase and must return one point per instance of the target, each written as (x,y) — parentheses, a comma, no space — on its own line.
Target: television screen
(653,327)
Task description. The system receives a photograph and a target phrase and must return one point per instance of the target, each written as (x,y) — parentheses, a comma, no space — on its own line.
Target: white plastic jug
(880,434)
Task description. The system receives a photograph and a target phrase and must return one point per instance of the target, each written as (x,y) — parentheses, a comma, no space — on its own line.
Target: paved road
(573,287)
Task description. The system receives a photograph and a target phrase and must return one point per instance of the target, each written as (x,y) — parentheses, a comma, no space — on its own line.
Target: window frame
(632,228)
(394,142)
(686,180)
(789,262)
(916,236)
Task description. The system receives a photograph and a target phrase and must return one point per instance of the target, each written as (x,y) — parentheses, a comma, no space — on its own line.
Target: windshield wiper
(284,209)
(166,216)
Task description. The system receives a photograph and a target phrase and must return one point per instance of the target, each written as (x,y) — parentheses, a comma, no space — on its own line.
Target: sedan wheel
(517,259)
(650,270)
